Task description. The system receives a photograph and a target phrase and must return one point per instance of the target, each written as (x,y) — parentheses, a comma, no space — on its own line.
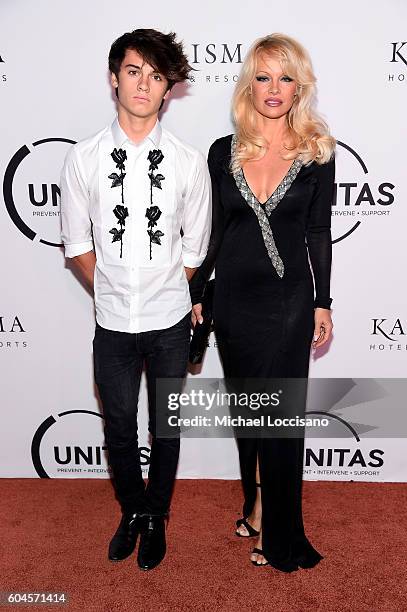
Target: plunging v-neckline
(279,192)
(263,211)
(274,191)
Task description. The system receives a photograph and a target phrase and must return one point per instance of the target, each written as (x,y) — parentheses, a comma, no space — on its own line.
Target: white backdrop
(54,89)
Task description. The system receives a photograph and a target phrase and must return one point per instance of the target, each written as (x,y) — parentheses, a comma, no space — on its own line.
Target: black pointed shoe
(152,547)
(125,539)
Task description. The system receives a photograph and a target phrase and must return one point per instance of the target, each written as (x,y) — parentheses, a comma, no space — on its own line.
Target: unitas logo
(71,445)
(357,198)
(31,191)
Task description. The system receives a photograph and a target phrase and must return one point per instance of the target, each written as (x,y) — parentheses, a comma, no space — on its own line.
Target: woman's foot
(256,557)
(254,520)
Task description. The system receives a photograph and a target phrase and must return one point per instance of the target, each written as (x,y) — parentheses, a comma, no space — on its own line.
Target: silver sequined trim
(262,211)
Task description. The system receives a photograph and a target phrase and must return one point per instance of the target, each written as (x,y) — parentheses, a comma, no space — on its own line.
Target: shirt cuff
(73,250)
(190,261)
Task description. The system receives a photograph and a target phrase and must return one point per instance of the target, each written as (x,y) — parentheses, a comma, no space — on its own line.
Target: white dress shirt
(140,282)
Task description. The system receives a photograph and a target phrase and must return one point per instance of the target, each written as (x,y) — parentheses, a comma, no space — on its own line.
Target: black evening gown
(263,315)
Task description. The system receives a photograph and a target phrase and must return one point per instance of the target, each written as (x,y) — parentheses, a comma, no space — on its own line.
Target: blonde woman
(273,186)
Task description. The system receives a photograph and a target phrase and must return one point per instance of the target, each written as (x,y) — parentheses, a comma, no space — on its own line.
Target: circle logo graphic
(356,198)
(70,446)
(31,192)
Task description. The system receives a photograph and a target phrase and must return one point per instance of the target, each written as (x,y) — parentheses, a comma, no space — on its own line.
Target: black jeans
(118,361)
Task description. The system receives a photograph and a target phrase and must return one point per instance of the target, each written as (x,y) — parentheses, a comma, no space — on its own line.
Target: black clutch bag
(199,340)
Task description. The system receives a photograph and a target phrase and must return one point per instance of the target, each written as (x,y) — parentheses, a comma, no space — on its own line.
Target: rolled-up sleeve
(196,222)
(76,226)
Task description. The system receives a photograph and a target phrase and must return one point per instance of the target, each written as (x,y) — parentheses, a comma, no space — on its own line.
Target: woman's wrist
(323,303)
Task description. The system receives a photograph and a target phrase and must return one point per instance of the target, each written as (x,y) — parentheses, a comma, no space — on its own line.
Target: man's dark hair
(159,50)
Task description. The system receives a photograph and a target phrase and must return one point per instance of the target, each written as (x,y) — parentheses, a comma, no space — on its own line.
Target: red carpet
(55,535)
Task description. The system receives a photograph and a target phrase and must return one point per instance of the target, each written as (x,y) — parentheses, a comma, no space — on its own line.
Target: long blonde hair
(309,135)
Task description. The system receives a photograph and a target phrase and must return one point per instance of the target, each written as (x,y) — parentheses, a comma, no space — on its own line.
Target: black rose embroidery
(117,179)
(155,236)
(155,157)
(153,213)
(119,156)
(156,180)
(121,212)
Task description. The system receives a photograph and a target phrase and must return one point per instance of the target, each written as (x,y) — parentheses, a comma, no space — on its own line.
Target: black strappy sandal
(253,533)
(258,551)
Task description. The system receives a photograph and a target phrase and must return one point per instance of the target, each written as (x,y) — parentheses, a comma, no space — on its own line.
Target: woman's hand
(196,314)
(323,327)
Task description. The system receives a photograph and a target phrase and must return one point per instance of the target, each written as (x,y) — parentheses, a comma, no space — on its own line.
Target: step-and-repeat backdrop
(54,91)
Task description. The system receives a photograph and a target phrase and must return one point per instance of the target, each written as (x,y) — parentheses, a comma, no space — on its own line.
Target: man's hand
(323,327)
(196,314)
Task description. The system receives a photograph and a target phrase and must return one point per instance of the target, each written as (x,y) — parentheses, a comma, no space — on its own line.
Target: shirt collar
(120,137)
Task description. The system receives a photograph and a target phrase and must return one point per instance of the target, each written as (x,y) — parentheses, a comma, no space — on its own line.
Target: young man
(136,221)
